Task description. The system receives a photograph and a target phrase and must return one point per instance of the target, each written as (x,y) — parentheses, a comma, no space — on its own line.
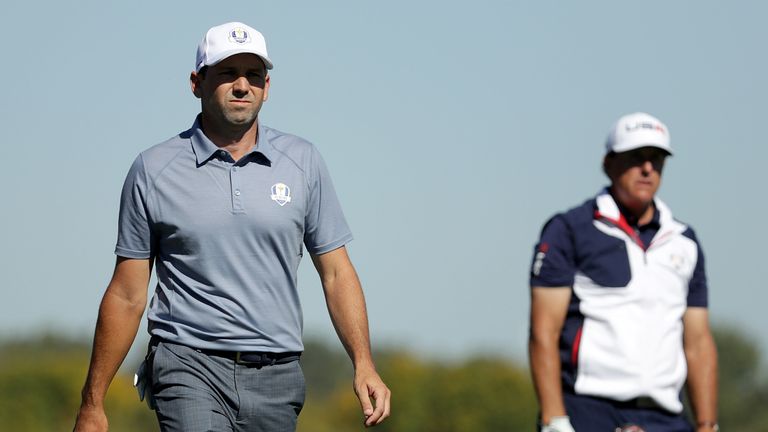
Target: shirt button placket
(237,200)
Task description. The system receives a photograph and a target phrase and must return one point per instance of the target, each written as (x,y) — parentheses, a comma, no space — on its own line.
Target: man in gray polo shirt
(224,211)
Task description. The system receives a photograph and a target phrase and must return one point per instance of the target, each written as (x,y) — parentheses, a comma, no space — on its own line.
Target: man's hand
(369,386)
(90,419)
(346,305)
(558,424)
(119,316)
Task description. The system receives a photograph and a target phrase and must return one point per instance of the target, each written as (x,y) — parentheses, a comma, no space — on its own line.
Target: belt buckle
(645,402)
(263,360)
(240,360)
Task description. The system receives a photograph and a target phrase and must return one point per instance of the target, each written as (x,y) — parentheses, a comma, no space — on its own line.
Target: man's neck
(237,141)
(638,215)
(643,216)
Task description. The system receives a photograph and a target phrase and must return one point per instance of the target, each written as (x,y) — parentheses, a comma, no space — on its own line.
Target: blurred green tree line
(41,377)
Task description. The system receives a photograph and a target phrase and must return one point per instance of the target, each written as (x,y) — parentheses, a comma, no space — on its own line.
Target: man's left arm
(346,305)
(701,356)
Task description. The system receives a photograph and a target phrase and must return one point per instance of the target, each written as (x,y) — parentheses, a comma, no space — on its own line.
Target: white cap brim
(219,57)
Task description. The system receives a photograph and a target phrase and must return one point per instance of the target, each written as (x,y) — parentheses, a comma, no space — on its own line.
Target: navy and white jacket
(623,334)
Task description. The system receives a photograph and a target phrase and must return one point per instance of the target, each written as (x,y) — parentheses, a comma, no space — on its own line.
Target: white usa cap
(227,40)
(637,130)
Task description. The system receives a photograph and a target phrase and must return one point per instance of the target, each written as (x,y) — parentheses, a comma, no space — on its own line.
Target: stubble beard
(234,118)
(240,117)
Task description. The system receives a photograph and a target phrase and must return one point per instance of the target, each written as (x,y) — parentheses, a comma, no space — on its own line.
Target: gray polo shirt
(227,237)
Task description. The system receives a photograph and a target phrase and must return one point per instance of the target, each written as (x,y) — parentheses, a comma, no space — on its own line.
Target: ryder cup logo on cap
(637,130)
(227,40)
(239,35)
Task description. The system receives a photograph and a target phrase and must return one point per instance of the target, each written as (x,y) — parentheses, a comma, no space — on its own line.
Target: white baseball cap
(227,40)
(637,130)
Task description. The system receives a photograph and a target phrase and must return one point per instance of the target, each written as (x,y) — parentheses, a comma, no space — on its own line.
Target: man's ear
(195,84)
(607,165)
(266,88)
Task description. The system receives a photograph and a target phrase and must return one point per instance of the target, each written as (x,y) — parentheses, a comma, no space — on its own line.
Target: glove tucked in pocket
(142,380)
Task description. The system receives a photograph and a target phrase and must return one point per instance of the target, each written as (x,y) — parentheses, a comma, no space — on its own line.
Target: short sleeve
(553,257)
(697,287)
(325,228)
(134,237)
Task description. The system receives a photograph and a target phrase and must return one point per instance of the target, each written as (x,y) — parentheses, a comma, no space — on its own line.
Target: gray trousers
(195,392)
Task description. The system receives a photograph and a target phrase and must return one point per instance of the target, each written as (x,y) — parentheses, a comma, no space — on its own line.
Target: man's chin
(241,120)
(641,201)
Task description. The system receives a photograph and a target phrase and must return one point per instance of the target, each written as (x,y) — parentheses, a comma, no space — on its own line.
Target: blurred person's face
(635,175)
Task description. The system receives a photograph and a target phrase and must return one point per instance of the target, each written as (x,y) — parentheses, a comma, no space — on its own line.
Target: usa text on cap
(637,130)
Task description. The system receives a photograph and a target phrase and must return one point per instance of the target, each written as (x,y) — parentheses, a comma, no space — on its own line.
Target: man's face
(232,91)
(635,175)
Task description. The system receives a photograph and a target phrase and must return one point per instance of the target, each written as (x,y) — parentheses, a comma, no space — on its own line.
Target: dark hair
(203,70)
(606,160)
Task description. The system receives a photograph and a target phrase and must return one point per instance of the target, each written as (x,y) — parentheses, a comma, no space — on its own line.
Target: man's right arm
(120,312)
(549,306)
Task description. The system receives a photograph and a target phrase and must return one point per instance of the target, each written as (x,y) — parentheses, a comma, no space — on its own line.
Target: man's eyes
(647,157)
(249,75)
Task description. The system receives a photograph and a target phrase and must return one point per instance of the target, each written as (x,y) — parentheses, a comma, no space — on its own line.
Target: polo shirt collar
(205,149)
(608,207)
(263,144)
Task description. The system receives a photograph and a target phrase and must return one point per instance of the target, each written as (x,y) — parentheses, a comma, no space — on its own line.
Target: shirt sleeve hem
(543,284)
(698,303)
(318,250)
(129,253)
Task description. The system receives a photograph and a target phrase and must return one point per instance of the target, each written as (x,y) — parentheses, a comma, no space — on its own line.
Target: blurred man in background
(619,316)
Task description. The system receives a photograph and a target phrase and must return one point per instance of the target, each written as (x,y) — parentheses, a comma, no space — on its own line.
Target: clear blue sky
(452,131)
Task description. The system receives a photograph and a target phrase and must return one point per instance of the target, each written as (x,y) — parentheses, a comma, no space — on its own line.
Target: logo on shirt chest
(281,193)
(678,262)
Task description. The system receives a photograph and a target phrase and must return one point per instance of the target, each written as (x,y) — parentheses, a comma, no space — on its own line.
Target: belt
(248,358)
(254,358)
(642,402)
